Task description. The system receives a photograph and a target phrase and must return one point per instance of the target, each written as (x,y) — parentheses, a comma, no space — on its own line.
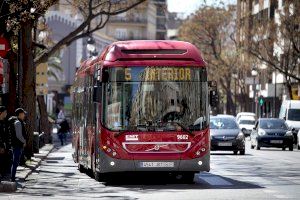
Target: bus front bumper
(108,164)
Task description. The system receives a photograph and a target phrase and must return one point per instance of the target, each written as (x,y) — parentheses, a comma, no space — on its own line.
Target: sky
(189,6)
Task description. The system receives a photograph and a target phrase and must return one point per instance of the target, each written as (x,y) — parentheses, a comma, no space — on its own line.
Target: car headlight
(261,132)
(55,130)
(240,136)
(289,133)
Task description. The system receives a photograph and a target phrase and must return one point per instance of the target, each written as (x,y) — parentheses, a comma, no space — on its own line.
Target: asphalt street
(265,174)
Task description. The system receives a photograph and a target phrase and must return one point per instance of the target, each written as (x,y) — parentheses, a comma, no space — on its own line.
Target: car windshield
(247,122)
(223,123)
(294,114)
(273,124)
(143,99)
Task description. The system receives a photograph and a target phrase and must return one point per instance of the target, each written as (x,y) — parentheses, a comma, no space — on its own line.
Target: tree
(279,42)
(215,37)
(20,18)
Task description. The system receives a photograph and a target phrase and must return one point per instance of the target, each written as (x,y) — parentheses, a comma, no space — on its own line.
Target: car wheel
(235,152)
(257,147)
(283,148)
(252,146)
(291,148)
(242,152)
(298,147)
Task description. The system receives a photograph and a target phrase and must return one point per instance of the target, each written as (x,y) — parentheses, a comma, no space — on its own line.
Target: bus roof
(148,52)
(152,49)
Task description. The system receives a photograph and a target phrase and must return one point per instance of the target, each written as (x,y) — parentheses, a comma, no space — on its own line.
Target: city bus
(142,106)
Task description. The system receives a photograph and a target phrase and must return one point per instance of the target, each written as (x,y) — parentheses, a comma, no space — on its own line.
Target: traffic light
(214,98)
(261,101)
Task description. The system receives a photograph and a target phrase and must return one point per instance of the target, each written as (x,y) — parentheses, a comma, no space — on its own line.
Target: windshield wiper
(185,128)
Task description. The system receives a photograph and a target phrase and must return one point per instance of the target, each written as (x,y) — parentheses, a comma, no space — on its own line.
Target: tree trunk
(44,122)
(27,79)
(289,89)
(12,93)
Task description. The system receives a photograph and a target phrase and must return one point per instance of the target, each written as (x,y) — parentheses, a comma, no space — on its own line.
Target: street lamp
(91,45)
(254,73)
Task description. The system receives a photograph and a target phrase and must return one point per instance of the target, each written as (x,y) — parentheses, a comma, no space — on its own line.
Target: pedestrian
(4,144)
(63,130)
(18,135)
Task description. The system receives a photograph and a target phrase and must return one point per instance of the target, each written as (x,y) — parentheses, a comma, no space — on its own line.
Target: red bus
(142,106)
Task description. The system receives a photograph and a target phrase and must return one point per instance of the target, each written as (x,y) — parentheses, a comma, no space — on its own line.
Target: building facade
(269,84)
(146,21)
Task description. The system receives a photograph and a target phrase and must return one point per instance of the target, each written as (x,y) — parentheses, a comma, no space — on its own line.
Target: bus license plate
(225,144)
(276,141)
(157,164)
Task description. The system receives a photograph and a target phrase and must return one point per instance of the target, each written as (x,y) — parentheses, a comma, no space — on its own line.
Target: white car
(246,124)
(245,114)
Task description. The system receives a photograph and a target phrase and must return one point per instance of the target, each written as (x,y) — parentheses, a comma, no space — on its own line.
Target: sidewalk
(24,172)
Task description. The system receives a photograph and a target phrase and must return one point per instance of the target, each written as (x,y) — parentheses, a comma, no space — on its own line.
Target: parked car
(226,135)
(271,132)
(245,114)
(246,124)
(290,112)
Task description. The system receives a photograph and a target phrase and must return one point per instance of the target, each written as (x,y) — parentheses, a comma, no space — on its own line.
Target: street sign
(4,47)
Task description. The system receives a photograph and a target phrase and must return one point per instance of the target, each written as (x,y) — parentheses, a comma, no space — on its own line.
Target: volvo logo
(224,137)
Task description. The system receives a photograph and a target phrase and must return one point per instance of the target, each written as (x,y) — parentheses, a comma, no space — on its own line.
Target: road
(265,174)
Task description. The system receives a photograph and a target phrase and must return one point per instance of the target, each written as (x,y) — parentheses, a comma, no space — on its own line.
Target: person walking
(4,144)
(18,135)
(63,130)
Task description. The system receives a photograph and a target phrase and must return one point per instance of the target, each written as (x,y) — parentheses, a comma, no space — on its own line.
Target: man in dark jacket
(4,143)
(18,136)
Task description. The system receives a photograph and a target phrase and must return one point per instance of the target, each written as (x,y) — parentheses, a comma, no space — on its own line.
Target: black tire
(257,147)
(81,168)
(291,148)
(298,147)
(97,176)
(283,148)
(188,177)
(235,152)
(242,152)
(252,146)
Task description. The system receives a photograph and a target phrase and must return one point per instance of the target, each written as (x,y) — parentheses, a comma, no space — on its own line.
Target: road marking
(215,180)
(280,196)
(269,191)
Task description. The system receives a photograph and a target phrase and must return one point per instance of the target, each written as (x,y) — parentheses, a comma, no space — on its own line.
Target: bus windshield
(155,102)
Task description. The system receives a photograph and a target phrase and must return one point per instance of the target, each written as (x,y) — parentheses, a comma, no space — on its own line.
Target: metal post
(275,94)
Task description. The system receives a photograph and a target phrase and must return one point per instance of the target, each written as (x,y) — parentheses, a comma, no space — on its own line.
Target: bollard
(41,139)
(36,145)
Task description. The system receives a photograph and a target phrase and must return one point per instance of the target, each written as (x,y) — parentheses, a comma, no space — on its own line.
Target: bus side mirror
(97,93)
(213,98)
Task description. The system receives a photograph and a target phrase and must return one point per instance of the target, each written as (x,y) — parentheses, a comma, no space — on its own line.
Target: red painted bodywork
(113,56)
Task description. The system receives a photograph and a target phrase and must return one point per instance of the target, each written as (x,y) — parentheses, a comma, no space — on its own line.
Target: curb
(24,172)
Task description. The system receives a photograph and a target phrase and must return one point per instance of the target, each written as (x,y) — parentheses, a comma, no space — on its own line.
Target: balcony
(128,20)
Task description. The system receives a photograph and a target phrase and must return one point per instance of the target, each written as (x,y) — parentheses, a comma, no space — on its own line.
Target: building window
(121,33)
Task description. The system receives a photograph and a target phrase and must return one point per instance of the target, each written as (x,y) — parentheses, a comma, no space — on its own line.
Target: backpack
(11,128)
